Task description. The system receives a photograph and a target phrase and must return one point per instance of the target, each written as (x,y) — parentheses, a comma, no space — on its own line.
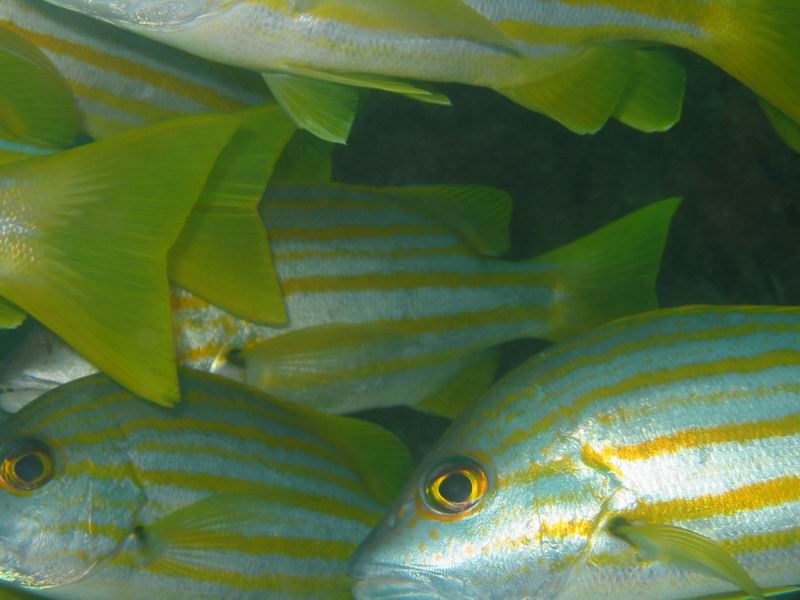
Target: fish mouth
(391,582)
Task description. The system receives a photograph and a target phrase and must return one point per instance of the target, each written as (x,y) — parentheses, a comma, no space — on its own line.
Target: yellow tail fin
(223,253)
(85,235)
(611,272)
(758,42)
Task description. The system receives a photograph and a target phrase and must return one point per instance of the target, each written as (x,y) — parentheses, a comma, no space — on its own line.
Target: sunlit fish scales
(121,80)
(230,495)
(390,300)
(580,62)
(675,421)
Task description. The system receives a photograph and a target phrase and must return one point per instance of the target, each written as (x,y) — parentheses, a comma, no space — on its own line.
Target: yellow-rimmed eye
(27,465)
(456,486)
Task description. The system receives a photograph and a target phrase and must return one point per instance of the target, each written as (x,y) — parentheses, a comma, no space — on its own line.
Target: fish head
(162,15)
(39,362)
(69,497)
(480,518)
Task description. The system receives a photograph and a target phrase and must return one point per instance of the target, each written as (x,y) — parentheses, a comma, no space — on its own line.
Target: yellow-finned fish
(43,107)
(121,80)
(580,62)
(230,495)
(85,233)
(396,296)
(654,457)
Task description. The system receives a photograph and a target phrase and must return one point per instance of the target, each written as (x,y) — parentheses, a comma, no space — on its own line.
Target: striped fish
(230,495)
(655,457)
(394,296)
(558,57)
(121,80)
(39,116)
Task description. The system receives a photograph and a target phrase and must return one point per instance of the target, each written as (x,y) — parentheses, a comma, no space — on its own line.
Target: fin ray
(88,257)
(223,253)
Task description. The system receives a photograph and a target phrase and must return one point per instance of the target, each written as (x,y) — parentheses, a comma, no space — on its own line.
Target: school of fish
(206,293)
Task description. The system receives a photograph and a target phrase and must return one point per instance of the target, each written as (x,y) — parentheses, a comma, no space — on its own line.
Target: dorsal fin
(480,215)
(36,105)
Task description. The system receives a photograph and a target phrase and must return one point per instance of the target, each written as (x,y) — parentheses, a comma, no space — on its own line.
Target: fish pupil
(456,488)
(29,468)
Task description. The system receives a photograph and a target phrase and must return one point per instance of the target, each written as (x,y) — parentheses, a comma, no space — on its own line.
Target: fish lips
(393,582)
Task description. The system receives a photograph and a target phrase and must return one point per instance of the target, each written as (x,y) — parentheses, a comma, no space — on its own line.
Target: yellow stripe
(129,69)
(654,378)
(454,250)
(396,281)
(706,436)
(746,498)
(762,542)
(220,484)
(169,425)
(629,348)
(143,110)
(566,529)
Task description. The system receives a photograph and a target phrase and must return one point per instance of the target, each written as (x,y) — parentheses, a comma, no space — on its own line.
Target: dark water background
(735,239)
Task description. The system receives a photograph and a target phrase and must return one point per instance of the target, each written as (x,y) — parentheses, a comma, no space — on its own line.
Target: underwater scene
(400,299)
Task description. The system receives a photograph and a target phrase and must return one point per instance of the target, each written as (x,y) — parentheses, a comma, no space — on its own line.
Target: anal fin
(653,100)
(464,387)
(584,94)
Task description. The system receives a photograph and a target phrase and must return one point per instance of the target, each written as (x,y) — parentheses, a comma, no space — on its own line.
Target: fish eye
(456,486)
(27,464)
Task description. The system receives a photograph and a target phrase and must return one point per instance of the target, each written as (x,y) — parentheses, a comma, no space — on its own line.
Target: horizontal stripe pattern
(338,38)
(687,417)
(137,463)
(359,256)
(120,79)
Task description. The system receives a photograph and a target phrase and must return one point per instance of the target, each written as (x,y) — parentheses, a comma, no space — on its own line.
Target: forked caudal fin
(758,42)
(223,253)
(611,272)
(85,239)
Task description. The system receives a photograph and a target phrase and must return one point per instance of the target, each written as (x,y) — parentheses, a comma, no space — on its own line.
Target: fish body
(679,420)
(229,495)
(389,299)
(121,80)
(567,58)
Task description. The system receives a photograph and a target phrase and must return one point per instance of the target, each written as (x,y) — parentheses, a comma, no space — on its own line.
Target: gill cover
(67,505)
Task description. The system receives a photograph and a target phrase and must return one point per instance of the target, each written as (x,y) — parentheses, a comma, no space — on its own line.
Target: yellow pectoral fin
(36,104)
(585,93)
(442,18)
(11,317)
(685,548)
(223,253)
(653,100)
(325,109)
